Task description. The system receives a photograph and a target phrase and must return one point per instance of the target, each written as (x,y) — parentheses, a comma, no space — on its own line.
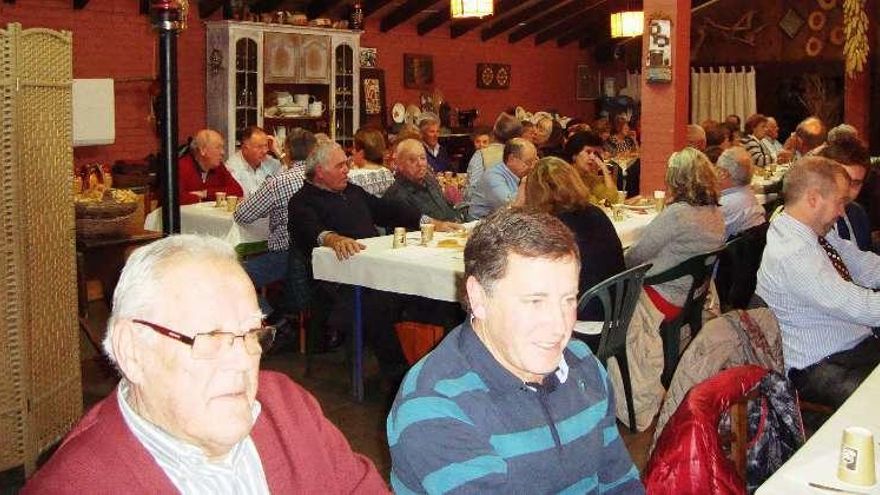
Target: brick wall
(542,77)
(111,39)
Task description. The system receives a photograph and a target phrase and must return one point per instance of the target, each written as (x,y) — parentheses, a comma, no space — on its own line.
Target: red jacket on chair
(688,458)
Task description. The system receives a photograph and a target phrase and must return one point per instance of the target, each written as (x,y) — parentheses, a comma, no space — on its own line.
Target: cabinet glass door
(245,84)
(344,97)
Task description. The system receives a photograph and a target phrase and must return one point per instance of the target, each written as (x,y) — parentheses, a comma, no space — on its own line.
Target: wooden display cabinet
(248,63)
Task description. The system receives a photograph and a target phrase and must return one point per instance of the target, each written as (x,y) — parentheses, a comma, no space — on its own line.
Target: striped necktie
(835,258)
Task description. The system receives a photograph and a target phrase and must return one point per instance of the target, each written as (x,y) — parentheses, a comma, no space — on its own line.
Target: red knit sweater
(301,451)
(189,178)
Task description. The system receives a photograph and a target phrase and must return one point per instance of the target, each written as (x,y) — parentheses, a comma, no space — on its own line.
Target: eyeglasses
(209,345)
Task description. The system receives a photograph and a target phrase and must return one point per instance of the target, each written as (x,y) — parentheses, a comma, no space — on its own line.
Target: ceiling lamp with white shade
(468,9)
(627,24)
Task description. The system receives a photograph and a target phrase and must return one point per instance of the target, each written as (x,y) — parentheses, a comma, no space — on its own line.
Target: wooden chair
(618,295)
(700,269)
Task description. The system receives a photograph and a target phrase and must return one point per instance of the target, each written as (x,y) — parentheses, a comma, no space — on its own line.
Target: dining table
(433,271)
(813,468)
(207,219)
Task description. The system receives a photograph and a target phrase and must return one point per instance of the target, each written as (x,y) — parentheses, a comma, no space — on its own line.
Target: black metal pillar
(166,21)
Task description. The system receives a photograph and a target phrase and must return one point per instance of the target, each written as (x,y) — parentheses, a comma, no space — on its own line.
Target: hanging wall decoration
(418,71)
(493,76)
(791,23)
(855,27)
(659,63)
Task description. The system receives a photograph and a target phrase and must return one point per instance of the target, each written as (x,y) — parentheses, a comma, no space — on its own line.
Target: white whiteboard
(94,112)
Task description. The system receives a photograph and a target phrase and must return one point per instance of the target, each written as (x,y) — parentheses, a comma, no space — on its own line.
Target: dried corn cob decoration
(855,27)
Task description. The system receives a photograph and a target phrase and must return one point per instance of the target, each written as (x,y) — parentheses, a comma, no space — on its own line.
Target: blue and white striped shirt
(461,423)
(186,465)
(819,312)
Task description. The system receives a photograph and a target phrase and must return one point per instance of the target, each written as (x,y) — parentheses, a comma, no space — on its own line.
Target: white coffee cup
(857,457)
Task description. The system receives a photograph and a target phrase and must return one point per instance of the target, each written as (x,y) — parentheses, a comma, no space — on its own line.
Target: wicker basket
(104,209)
(101,227)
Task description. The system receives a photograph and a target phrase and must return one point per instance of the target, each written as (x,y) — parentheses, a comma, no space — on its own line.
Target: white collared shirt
(249,178)
(819,312)
(186,465)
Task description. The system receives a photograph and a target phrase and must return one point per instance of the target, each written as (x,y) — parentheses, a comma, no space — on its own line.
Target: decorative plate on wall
(493,76)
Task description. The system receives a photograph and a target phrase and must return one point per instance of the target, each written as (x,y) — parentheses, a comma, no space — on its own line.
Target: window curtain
(719,92)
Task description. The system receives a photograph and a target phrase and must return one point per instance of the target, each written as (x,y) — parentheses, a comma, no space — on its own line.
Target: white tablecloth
(204,218)
(430,272)
(817,460)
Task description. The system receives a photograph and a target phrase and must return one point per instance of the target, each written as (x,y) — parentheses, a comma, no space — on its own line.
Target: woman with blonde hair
(554,186)
(691,224)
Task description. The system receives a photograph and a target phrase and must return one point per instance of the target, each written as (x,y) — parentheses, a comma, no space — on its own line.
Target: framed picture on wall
(418,71)
(373,97)
(588,83)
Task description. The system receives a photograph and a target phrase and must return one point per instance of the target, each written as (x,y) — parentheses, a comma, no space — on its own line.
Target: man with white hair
(696,137)
(438,157)
(739,206)
(251,165)
(201,174)
(192,412)
(330,211)
(416,187)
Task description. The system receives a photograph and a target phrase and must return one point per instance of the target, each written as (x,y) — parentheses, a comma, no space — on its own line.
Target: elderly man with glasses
(192,412)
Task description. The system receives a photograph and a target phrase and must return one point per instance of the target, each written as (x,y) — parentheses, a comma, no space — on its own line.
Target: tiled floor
(328,380)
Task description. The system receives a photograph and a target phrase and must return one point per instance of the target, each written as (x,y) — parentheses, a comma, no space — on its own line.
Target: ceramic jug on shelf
(316,108)
(303,100)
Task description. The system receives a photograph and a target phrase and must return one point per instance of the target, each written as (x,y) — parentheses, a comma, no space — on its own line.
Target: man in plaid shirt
(271,200)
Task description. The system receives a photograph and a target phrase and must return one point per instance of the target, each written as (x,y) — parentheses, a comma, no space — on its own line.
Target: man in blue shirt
(507,402)
(498,185)
(821,288)
(738,202)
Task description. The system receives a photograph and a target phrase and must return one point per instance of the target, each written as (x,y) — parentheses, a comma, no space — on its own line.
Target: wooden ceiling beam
(318,7)
(516,18)
(461,27)
(550,18)
(403,13)
(433,21)
(596,28)
(585,17)
(593,31)
(371,6)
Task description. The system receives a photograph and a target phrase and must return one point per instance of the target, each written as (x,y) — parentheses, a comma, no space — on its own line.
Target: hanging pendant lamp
(465,9)
(627,24)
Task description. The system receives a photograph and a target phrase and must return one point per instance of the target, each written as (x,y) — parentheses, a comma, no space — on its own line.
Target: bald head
(811,133)
(207,149)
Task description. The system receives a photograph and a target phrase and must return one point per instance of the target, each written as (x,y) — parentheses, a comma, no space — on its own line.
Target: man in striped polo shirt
(507,403)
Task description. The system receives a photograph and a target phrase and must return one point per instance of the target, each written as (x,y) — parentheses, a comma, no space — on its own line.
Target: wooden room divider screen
(40,383)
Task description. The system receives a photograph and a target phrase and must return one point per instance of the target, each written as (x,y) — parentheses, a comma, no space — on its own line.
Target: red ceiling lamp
(627,22)
(470,9)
